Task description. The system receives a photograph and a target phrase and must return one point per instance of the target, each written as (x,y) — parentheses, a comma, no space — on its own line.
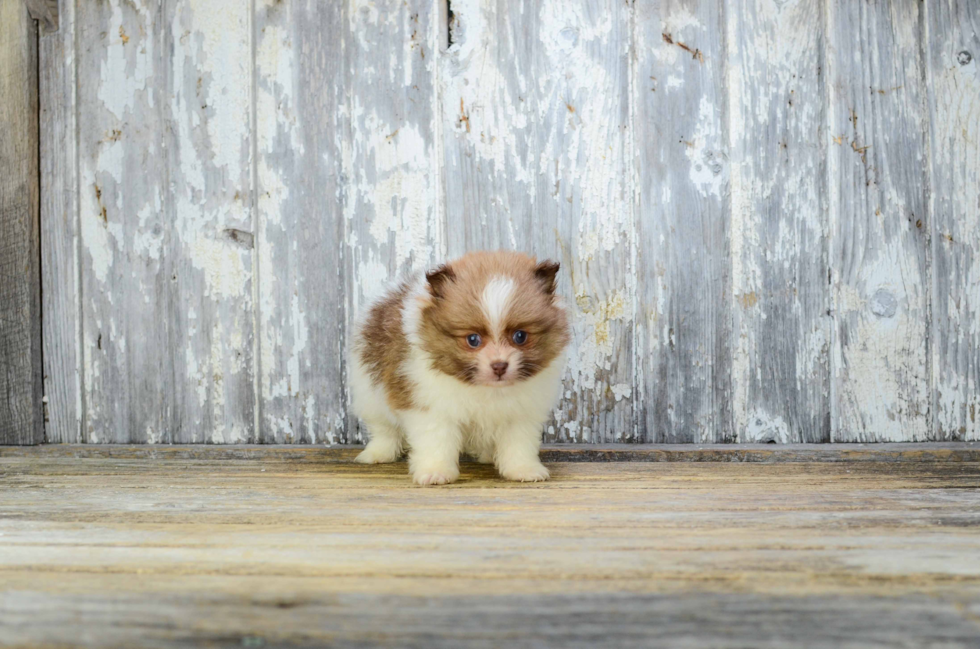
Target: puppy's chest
(476,407)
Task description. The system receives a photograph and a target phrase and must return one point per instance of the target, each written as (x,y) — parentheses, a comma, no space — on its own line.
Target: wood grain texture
(107,552)
(61,301)
(683,315)
(878,187)
(954,103)
(210,244)
(21,414)
(393,198)
(126,222)
(300,121)
(536,122)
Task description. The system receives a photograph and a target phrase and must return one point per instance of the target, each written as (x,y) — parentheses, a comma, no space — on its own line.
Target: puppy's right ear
(438,278)
(546,273)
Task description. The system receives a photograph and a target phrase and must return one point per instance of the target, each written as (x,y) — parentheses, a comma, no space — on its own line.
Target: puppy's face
(493,318)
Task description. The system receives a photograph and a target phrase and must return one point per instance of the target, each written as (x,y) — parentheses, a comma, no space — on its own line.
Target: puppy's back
(381,347)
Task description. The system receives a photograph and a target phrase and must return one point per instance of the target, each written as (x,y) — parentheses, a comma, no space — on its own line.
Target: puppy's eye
(474,340)
(519,337)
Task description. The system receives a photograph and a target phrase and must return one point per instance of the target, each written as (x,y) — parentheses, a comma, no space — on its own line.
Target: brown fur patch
(383,348)
(456,311)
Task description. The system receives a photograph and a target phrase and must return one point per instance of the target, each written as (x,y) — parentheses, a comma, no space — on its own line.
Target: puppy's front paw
(529,472)
(435,476)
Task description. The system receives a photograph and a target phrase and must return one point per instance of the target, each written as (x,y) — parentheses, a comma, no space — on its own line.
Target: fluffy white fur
(499,425)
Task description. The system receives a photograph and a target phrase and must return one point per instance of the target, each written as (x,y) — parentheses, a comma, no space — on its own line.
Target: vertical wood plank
(954,94)
(209,101)
(781,373)
(300,115)
(61,301)
(21,414)
(124,220)
(394,223)
(536,118)
(682,164)
(878,182)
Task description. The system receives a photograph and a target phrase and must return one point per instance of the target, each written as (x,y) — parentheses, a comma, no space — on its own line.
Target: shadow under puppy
(467,359)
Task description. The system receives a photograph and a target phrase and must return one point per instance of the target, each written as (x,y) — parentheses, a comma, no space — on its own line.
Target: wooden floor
(284,547)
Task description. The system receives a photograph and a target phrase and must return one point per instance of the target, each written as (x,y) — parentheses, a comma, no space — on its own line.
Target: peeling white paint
(480,105)
(128,55)
(622,391)
(709,171)
(762,427)
(396,190)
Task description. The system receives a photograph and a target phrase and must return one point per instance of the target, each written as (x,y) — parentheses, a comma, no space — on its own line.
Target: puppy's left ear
(546,273)
(438,278)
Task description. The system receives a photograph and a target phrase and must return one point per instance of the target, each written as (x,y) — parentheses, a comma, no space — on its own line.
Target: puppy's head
(492,318)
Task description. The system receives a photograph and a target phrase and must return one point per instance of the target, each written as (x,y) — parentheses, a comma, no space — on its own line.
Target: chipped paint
(122,60)
(762,427)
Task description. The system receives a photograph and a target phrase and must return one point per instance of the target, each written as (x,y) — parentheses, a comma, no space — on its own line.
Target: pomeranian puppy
(467,359)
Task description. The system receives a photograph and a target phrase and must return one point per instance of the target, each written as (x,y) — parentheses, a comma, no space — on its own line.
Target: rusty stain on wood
(695,53)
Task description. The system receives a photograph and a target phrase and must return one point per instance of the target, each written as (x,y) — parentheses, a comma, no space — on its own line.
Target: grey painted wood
(61,301)
(536,126)
(207,108)
(393,192)
(300,239)
(125,221)
(954,102)
(21,416)
(878,187)
(683,315)
(781,368)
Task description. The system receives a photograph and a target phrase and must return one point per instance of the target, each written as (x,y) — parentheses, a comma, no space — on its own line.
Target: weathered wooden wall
(767,212)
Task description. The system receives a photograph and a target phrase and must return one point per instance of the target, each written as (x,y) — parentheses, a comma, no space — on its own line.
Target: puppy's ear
(438,279)
(545,272)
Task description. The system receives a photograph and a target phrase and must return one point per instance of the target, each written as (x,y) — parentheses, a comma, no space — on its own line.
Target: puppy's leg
(385,443)
(434,446)
(517,453)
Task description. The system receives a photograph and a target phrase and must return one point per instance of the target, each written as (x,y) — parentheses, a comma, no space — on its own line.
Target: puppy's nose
(499,368)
